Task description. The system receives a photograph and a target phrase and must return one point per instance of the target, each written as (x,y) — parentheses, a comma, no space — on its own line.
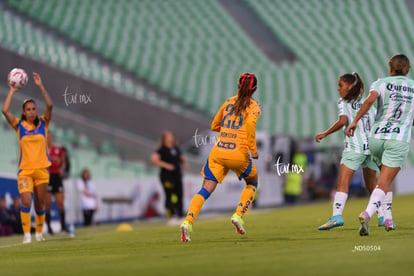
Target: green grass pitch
(283,241)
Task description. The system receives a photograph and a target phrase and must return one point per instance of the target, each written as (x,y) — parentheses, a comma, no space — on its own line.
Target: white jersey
(395,108)
(359,142)
(87,202)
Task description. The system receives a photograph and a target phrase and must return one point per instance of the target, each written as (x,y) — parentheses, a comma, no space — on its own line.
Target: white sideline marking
(10,245)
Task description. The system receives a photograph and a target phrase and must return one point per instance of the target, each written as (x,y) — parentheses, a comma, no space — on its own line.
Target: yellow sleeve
(15,122)
(252,118)
(216,123)
(47,121)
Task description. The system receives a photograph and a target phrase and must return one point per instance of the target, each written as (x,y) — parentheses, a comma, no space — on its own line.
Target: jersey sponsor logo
(387,130)
(228,135)
(400,98)
(395,87)
(27,132)
(226,145)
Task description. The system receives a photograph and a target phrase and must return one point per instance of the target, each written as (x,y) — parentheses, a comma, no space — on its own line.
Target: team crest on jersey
(356,105)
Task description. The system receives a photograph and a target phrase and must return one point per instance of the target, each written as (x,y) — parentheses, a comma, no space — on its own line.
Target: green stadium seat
(196,50)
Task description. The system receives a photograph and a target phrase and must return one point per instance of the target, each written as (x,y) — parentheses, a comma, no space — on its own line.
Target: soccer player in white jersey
(390,134)
(356,153)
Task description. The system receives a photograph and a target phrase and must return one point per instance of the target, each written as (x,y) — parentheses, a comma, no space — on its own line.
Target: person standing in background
(169,158)
(55,187)
(294,179)
(88,198)
(66,163)
(6,227)
(14,211)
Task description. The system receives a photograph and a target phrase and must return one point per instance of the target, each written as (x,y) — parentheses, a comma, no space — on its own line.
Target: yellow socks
(40,220)
(25,218)
(246,199)
(196,204)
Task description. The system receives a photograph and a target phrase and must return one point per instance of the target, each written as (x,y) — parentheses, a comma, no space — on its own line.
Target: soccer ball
(17,78)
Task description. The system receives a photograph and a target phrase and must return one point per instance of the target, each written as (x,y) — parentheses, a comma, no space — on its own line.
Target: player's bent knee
(254,184)
(251,180)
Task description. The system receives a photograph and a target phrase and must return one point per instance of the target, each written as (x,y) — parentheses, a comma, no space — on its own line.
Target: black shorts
(55,183)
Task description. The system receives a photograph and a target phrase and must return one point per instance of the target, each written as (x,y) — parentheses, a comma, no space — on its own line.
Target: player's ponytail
(23,117)
(356,88)
(247,86)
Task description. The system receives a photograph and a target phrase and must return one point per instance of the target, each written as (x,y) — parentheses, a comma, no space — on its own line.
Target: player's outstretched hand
(255,155)
(37,79)
(351,129)
(319,137)
(13,89)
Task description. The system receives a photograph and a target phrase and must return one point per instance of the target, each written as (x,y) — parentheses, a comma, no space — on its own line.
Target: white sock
(339,203)
(387,206)
(375,200)
(380,211)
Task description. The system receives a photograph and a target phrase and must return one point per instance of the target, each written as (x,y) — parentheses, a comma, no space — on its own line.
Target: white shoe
(39,237)
(27,238)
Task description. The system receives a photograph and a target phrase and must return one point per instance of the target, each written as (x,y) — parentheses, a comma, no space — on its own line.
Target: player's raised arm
(6,105)
(48,101)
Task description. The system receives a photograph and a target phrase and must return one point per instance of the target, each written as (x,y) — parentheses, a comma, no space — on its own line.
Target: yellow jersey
(32,144)
(237,134)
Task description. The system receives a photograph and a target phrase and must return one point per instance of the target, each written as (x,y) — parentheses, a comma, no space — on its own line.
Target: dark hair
(247,86)
(83,172)
(164,134)
(356,88)
(400,64)
(23,117)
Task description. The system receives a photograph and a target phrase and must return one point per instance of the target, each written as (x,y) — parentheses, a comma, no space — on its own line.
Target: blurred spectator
(323,187)
(294,179)
(169,158)
(151,208)
(66,163)
(6,228)
(15,216)
(88,200)
(357,186)
(55,187)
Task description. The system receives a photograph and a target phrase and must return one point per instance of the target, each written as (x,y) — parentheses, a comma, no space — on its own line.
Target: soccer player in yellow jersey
(33,174)
(236,123)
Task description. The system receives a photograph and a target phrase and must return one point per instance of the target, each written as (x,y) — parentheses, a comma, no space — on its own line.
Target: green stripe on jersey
(359,142)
